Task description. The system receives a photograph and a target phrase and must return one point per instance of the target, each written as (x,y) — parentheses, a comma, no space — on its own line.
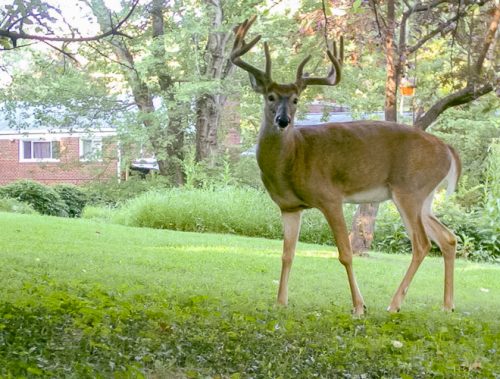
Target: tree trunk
(167,142)
(208,112)
(390,107)
(216,67)
(363,223)
(175,150)
(363,227)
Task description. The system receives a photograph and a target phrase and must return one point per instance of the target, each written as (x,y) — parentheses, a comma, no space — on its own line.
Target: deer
(324,166)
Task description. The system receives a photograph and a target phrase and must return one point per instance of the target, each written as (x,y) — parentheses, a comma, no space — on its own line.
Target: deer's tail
(454,172)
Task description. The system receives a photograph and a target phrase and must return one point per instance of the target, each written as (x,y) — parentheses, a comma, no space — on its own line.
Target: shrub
(471,132)
(390,235)
(227,210)
(15,206)
(42,198)
(246,172)
(98,213)
(113,193)
(477,231)
(250,212)
(243,211)
(74,198)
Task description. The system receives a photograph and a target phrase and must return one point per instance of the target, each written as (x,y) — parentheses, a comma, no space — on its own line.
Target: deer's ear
(257,85)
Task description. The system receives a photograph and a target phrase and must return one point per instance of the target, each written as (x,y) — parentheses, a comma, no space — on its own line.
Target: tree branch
(463,96)
(441,28)
(490,34)
(471,91)
(109,58)
(373,7)
(164,79)
(14,36)
(62,51)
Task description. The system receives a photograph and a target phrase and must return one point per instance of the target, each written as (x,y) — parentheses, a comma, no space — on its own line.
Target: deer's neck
(275,148)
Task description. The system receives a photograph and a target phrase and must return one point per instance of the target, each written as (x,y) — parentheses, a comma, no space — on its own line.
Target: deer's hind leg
(410,209)
(447,243)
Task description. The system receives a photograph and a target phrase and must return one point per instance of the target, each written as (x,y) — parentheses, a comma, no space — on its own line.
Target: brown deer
(324,166)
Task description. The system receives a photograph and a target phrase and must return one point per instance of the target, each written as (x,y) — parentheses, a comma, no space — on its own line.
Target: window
(90,149)
(39,151)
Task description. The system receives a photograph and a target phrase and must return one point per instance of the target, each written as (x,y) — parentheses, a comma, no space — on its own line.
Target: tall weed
(242,211)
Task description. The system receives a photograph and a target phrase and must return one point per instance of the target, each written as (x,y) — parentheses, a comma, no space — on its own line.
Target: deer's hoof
(282,303)
(359,311)
(392,309)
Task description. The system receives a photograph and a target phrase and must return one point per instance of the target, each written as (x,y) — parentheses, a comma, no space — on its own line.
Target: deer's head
(280,99)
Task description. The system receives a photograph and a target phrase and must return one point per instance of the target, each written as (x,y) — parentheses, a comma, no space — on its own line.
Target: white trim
(36,160)
(50,135)
(39,160)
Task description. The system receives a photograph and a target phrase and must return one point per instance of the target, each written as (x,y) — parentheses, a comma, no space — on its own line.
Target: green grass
(87,299)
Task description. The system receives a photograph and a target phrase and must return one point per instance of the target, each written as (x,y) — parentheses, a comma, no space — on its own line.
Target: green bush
(390,234)
(246,173)
(478,234)
(74,198)
(477,231)
(15,206)
(42,198)
(97,213)
(471,132)
(250,212)
(243,211)
(227,210)
(113,193)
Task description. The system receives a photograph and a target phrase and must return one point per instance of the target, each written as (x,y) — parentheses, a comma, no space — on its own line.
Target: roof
(42,121)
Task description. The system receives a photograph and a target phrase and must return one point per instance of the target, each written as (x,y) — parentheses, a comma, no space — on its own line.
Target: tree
(397,51)
(37,20)
(477,82)
(192,82)
(216,67)
(148,80)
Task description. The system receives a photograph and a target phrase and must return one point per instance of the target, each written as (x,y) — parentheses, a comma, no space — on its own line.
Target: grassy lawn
(84,299)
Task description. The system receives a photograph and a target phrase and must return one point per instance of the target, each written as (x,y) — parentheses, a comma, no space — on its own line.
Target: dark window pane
(27,150)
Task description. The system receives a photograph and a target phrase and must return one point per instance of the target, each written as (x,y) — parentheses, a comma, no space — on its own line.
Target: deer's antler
(333,77)
(240,48)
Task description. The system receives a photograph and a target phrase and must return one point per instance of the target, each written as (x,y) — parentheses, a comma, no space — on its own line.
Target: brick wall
(68,170)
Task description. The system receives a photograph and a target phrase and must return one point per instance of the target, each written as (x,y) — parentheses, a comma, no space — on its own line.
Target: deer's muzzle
(283,121)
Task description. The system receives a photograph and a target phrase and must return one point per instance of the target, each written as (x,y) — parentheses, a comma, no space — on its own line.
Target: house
(57,156)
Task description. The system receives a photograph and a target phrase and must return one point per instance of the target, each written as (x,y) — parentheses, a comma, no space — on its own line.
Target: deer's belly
(374,195)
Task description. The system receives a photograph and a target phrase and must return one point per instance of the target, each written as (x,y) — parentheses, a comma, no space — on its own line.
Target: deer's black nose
(283,121)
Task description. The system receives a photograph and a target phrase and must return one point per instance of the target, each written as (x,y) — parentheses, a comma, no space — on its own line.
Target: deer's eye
(271,98)
(296,100)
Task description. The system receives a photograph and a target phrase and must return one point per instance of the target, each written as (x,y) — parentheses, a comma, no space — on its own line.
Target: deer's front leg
(291,228)
(335,218)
